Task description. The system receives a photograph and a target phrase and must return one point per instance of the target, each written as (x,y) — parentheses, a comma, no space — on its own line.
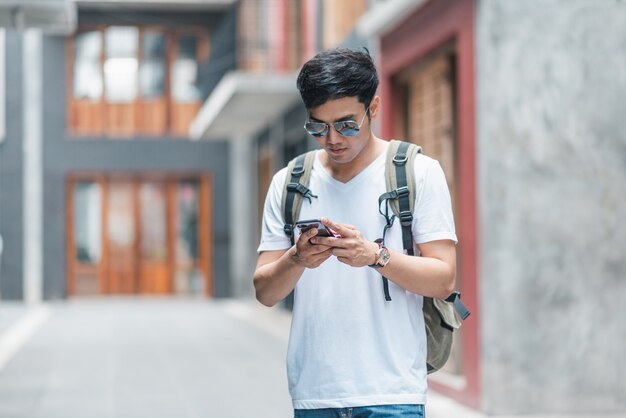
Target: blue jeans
(374,411)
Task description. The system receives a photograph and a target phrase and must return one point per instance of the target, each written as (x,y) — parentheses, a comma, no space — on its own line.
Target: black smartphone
(322,231)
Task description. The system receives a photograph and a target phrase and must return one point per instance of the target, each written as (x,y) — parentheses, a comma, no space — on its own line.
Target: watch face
(383,256)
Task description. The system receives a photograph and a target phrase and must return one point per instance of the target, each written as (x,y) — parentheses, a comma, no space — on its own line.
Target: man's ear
(374,107)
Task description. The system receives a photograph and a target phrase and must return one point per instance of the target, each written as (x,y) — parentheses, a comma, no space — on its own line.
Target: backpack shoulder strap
(401,187)
(295,189)
(400,194)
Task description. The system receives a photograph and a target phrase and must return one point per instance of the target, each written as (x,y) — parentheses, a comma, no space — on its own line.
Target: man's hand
(309,254)
(351,247)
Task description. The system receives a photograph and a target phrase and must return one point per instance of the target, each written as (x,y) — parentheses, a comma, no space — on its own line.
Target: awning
(51,16)
(242,104)
(384,16)
(58,17)
(178,5)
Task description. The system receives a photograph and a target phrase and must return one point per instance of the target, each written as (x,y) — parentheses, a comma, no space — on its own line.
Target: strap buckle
(455,298)
(402,191)
(302,189)
(295,187)
(288,228)
(297,171)
(400,158)
(406,218)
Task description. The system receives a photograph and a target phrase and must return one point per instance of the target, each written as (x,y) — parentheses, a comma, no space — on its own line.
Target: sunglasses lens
(347,128)
(316,128)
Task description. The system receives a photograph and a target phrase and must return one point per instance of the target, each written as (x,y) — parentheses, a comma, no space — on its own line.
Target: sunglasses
(343,127)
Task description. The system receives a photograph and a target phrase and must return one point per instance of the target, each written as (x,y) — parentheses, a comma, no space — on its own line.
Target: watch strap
(378,241)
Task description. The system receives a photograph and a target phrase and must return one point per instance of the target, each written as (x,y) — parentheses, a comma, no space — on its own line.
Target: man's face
(342,149)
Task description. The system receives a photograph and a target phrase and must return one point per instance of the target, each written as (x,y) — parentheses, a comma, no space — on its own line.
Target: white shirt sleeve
(273,236)
(432,218)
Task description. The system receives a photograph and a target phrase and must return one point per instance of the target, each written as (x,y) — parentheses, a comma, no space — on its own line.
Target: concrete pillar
(243,215)
(2,85)
(33,166)
(277,142)
(2,119)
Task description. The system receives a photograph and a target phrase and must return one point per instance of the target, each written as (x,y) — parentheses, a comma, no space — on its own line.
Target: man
(351,352)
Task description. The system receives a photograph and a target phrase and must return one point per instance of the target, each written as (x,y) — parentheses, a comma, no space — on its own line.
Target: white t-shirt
(349,347)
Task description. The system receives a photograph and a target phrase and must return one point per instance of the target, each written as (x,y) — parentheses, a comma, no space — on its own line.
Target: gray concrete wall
(551,88)
(11,154)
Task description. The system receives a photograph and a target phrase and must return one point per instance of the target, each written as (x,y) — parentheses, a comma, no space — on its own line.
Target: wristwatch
(382,255)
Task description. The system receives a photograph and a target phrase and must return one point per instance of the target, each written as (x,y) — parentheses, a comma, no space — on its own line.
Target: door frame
(205,224)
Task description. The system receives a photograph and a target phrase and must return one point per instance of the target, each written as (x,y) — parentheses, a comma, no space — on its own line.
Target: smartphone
(322,230)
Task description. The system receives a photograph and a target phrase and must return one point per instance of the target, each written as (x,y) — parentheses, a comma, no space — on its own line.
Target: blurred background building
(138,139)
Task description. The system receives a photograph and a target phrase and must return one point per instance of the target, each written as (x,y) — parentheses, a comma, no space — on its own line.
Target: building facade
(490,88)
(102,191)
(161,191)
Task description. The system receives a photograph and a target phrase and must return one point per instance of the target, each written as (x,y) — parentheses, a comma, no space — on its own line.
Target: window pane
(87,74)
(152,72)
(121,220)
(87,222)
(121,238)
(185,70)
(153,222)
(120,65)
(188,277)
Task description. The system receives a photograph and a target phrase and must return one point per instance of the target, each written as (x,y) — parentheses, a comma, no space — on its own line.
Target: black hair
(338,73)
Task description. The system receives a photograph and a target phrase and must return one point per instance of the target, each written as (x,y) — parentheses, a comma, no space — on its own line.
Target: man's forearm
(427,276)
(274,280)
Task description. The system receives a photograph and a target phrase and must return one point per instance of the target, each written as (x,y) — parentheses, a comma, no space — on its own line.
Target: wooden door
(85,237)
(147,235)
(121,239)
(154,274)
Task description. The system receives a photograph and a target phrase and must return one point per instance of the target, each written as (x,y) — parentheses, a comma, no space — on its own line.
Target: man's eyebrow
(347,117)
(341,119)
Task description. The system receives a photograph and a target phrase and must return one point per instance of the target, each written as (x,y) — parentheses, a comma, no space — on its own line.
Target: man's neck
(344,172)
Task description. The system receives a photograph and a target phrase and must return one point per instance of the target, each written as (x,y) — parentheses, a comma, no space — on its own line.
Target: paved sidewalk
(149,357)
(139,358)
(152,357)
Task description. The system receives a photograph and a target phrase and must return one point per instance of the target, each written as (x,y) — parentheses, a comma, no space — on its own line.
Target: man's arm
(277,272)
(433,274)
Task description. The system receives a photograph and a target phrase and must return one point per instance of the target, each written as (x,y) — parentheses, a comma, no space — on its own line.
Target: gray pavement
(147,358)
(151,357)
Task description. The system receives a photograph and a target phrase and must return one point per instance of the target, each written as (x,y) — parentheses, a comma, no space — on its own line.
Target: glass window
(152,71)
(155,67)
(120,65)
(188,278)
(121,221)
(88,224)
(153,222)
(185,69)
(87,74)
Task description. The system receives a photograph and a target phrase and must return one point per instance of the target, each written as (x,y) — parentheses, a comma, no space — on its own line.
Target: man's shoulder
(423,164)
(425,159)
(280,175)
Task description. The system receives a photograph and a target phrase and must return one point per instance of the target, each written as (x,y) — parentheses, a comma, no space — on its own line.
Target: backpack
(441,317)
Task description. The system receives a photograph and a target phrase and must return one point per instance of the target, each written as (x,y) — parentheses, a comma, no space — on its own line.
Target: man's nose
(333,136)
